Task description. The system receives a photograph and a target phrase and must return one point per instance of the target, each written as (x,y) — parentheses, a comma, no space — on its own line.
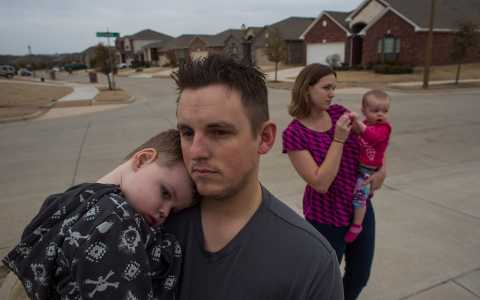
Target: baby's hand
(353,116)
(356,124)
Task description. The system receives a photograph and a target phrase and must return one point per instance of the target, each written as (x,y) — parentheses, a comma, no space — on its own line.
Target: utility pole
(428,53)
(110,59)
(108,35)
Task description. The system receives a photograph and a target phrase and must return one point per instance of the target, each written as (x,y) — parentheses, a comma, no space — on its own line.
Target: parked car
(122,66)
(74,67)
(24,72)
(7,71)
(56,69)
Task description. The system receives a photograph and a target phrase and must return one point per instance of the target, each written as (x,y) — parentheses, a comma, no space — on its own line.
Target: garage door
(194,55)
(318,53)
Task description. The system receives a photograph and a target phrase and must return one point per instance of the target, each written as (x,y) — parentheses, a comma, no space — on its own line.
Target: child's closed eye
(166,194)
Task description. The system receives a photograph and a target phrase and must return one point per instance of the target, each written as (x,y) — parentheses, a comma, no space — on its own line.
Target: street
(428,213)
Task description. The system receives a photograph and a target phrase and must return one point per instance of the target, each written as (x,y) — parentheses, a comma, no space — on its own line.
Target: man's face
(219,150)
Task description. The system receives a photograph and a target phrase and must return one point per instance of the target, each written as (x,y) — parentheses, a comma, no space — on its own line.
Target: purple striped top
(335,206)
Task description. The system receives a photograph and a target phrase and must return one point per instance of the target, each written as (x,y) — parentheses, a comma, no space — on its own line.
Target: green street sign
(108,34)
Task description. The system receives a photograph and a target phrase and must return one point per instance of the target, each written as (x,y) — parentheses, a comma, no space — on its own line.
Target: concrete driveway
(428,212)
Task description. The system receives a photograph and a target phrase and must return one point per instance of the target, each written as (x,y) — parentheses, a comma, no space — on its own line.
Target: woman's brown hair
(299,106)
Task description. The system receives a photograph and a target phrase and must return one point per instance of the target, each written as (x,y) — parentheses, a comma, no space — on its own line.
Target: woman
(325,155)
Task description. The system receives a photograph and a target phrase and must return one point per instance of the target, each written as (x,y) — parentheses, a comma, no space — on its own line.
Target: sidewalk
(289,75)
(83,95)
(436,82)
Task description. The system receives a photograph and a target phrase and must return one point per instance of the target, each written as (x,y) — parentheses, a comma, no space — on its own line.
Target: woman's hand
(343,128)
(376,179)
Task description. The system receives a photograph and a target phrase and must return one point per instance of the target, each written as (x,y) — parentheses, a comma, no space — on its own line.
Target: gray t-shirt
(277,255)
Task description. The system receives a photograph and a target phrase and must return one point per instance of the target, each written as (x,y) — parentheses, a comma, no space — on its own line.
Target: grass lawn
(106,96)
(374,80)
(17,99)
(468,71)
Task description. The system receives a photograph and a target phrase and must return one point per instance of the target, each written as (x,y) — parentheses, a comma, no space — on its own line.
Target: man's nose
(199,147)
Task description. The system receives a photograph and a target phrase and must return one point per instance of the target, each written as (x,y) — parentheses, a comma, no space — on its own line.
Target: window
(388,49)
(324,23)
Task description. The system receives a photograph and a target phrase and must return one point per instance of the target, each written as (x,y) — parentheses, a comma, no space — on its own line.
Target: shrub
(333,61)
(136,64)
(392,69)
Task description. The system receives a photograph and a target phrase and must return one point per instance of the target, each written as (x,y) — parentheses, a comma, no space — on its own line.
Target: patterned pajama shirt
(89,243)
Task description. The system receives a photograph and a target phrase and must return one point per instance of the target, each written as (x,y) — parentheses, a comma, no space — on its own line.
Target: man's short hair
(167,145)
(218,69)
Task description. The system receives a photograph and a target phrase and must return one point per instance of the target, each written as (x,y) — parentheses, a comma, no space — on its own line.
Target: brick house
(131,47)
(290,30)
(389,31)
(188,47)
(229,42)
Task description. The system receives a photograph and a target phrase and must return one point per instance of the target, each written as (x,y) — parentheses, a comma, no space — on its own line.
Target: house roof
(158,44)
(290,29)
(448,13)
(219,39)
(339,17)
(183,41)
(149,34)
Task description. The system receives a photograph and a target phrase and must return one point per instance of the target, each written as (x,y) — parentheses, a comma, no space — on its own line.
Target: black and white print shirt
(89,243)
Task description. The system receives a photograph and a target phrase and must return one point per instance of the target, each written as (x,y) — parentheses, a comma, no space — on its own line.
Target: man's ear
(267,137)
(144,156)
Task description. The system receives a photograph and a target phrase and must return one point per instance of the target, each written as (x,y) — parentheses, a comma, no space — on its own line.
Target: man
(240,242)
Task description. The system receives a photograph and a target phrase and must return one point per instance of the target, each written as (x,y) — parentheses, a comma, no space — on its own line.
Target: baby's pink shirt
(373,144)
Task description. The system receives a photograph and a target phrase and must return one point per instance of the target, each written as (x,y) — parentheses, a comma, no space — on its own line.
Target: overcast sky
(59,26)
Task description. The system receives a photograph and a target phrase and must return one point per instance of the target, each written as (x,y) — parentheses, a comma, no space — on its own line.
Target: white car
(24,72)
(122,66)
(7,71)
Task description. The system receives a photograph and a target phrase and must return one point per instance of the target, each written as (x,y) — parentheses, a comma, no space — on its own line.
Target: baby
(104,240)
(374,134)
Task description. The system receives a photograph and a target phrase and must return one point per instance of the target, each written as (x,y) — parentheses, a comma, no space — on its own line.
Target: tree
(333,60)
(465,38)
(276,48)
(105,63)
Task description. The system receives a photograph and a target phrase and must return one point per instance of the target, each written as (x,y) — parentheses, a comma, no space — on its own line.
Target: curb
(41,111)
(57,104)
(128,101)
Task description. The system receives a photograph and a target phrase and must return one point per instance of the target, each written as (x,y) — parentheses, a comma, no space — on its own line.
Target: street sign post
(108,34)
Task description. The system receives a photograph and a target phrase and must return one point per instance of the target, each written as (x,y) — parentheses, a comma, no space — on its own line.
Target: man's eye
(220,132)
(186,132)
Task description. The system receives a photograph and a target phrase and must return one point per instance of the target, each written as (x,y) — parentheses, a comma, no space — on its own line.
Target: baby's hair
(167,145)
(378,94)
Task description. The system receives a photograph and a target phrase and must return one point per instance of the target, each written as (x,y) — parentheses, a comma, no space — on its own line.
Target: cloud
(56,26)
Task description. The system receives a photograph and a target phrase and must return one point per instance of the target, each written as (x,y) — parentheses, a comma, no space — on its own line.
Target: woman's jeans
(358,255)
